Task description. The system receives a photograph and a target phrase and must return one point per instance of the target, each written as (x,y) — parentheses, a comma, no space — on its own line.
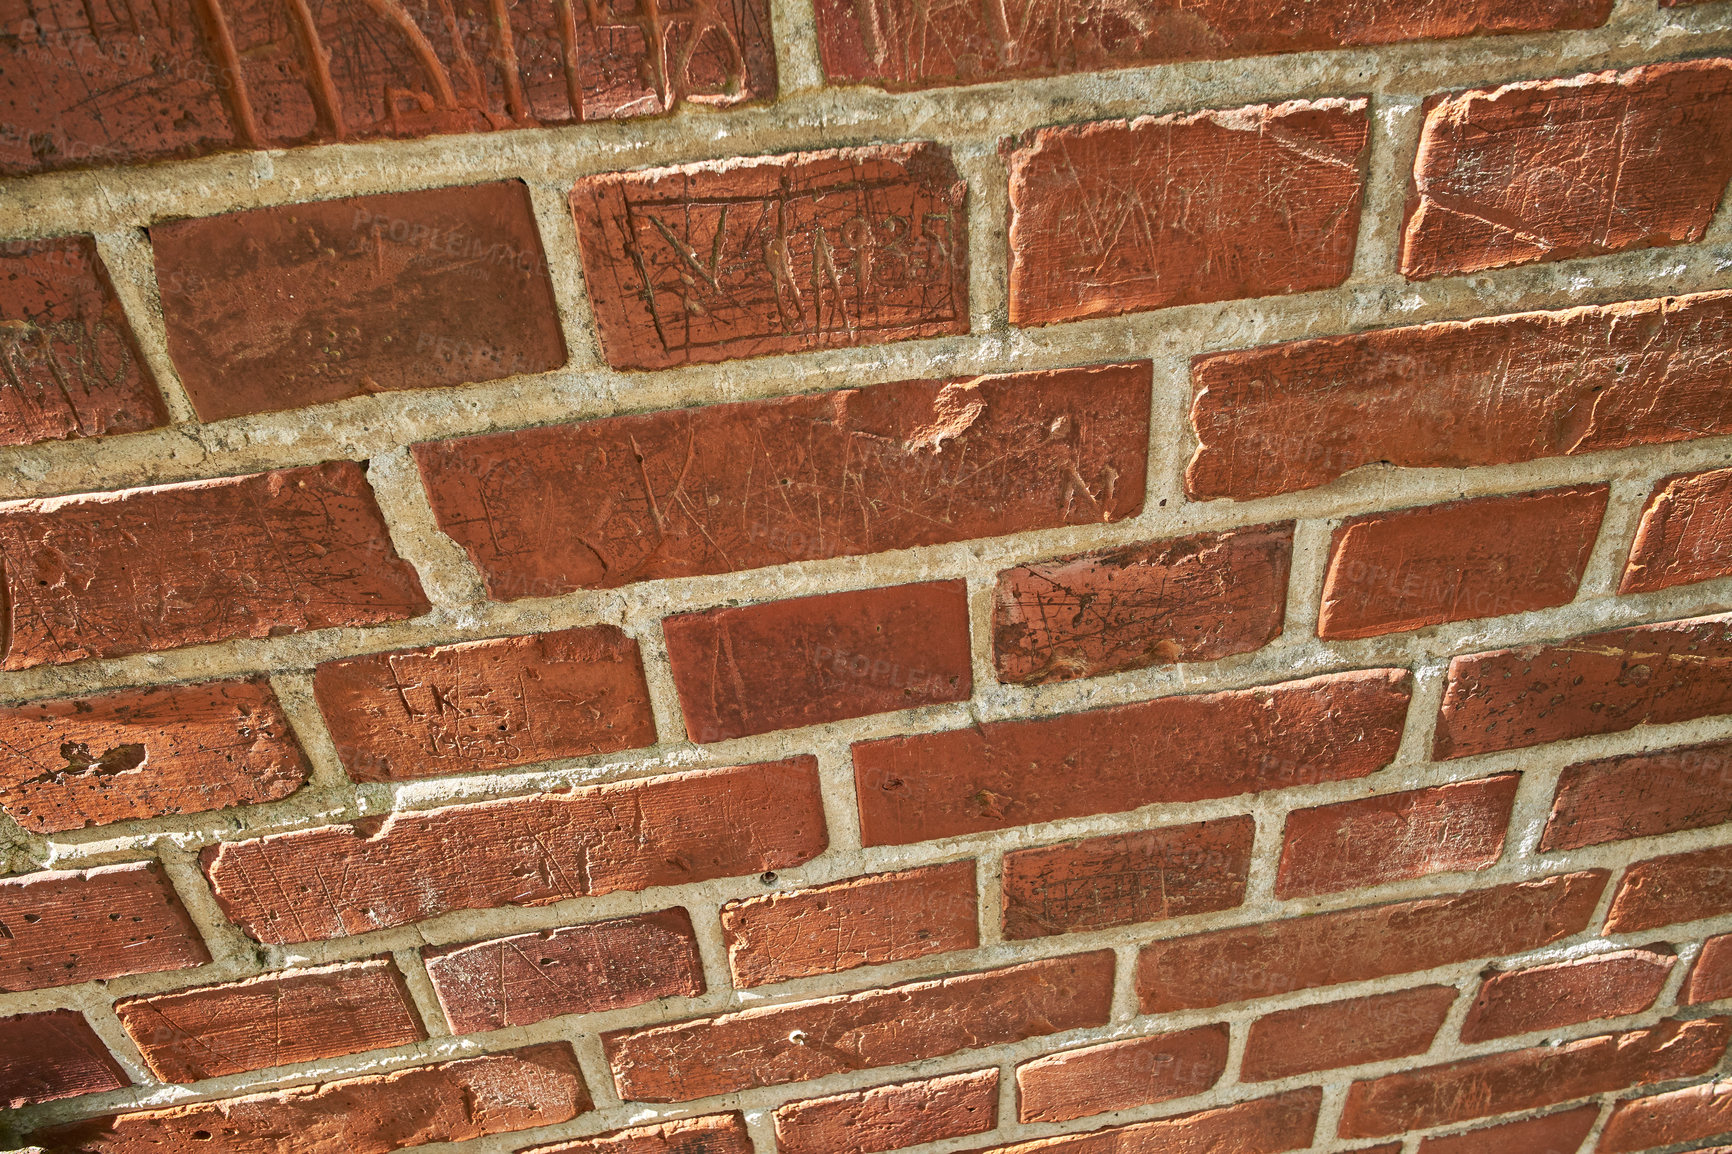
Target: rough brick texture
(717,1134)
(1560,1133)
(1349,1033)
(1120,1075)
(1667,1119)
(1641,795)
(1564,993)
(1677,888)
(1684,532)
(1711,976)
(890,1117)
(1261,1126)
(62,927)
(53,1055)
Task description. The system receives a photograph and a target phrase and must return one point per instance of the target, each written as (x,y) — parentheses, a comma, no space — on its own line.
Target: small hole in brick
(798,1037)
(201,1135)
(768,878)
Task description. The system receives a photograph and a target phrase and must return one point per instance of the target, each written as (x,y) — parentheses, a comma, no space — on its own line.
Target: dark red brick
(716,1134)
(1680,887)
(1192,599)
(781,254)
(1261,1126)
(1120,1075)
(1001,774)
(1684,533)
(1711,976)
(1560,1133)
(1641,795)
(1282,186)
(890,1117)
(1564,993)
(53,1055)
(62,927)
(111,574)
(1666,1119)
(1348,1033)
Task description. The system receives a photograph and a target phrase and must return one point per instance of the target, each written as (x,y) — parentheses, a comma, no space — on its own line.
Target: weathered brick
(73,368)
(1560,1133)
(1282,186)
(317,1013)
(1008,773)
(1711,976)
(1601,683)
(1327,949)
(1120,1075)
(109,574)
(1559,169)
(890,1117)
(1191,599)
(53,1055)
(1686,1115)
(1679,887)
(528,978)
(782,664)
(1262,1126)
(1490,557)
(781,254)
(1526,1079)
(62,927)
(1564,993)
(376,1114)
(75,761)
(1443,829)
(527,851)
(1120,879)
(486,704)
(859,922)
(715,1134)
(1684,533)
(729,487)
(1347,1033)
(773,1045)
(1460,393)
(1641,795)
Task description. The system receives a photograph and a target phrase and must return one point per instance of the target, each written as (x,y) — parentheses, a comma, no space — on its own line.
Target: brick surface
(1575,167)
(1460,393)
(486,704)
(70,762)
(142,570)
(1560,1133)
(1122,879)
(53,1055)
(1443,829)
(1601,683)
(729,487)
(1282,183)
(1525,1079)
(1349,1033)
(528,851)
(783,664)
(1684,533)
(1390,572)
(62,927)
(1120,1075)
(1261,1126)
(1236,965)
(1711,975)
(1666,1119)
(747,257)
(1641,795)
(528,978)
(794,1042)
(1680,887)
(375,1114)
(716,1134)
(1564,993)
(996,775)
(890,1117)
(72,365)
(859,922)
(1191,599)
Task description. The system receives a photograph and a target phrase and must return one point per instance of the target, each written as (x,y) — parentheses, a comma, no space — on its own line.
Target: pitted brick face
(62,927)
(53,1055)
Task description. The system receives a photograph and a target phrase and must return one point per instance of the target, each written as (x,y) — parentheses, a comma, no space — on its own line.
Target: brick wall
(837,576)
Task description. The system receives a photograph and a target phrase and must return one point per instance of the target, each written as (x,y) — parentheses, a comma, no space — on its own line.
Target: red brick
(780,254)
(53,1055)
(1560,1133)
(528,978)
(1641,795)
(1684,533)
(783,664)
(1192,599)
(1680,887)
(1601,683)
(1456,394)
(1711,976)
(716,1134)
(526,851)
(1008,773)
(1282,186)
(83,86)
(1262,1126)
(1526,1079)
(794,1042)
(274,1020)
(1666,1119)
(863,921)
(1348,1033)
(486,704)
(375,1114)
(75,761)
(1121,879)
(1558,169)
(890,1117)
(63,927)
(1443,829)
(1327,949)
(1390,572)
(1564,993)
(73,368)
(110,574)
(606,503)
(1120,1075)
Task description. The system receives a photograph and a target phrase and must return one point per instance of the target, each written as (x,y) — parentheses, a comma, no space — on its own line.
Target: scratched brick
(62,927)
(1686,1115)
(1685,534)
(1543,997)
(1345,1033)
(890,1117)
(716,1134)
(53,1055)
(1559,1133)
(1120,1075)
(1679,887)
(1711,976)
(1261,1126)
(1641,795)
(747,257)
